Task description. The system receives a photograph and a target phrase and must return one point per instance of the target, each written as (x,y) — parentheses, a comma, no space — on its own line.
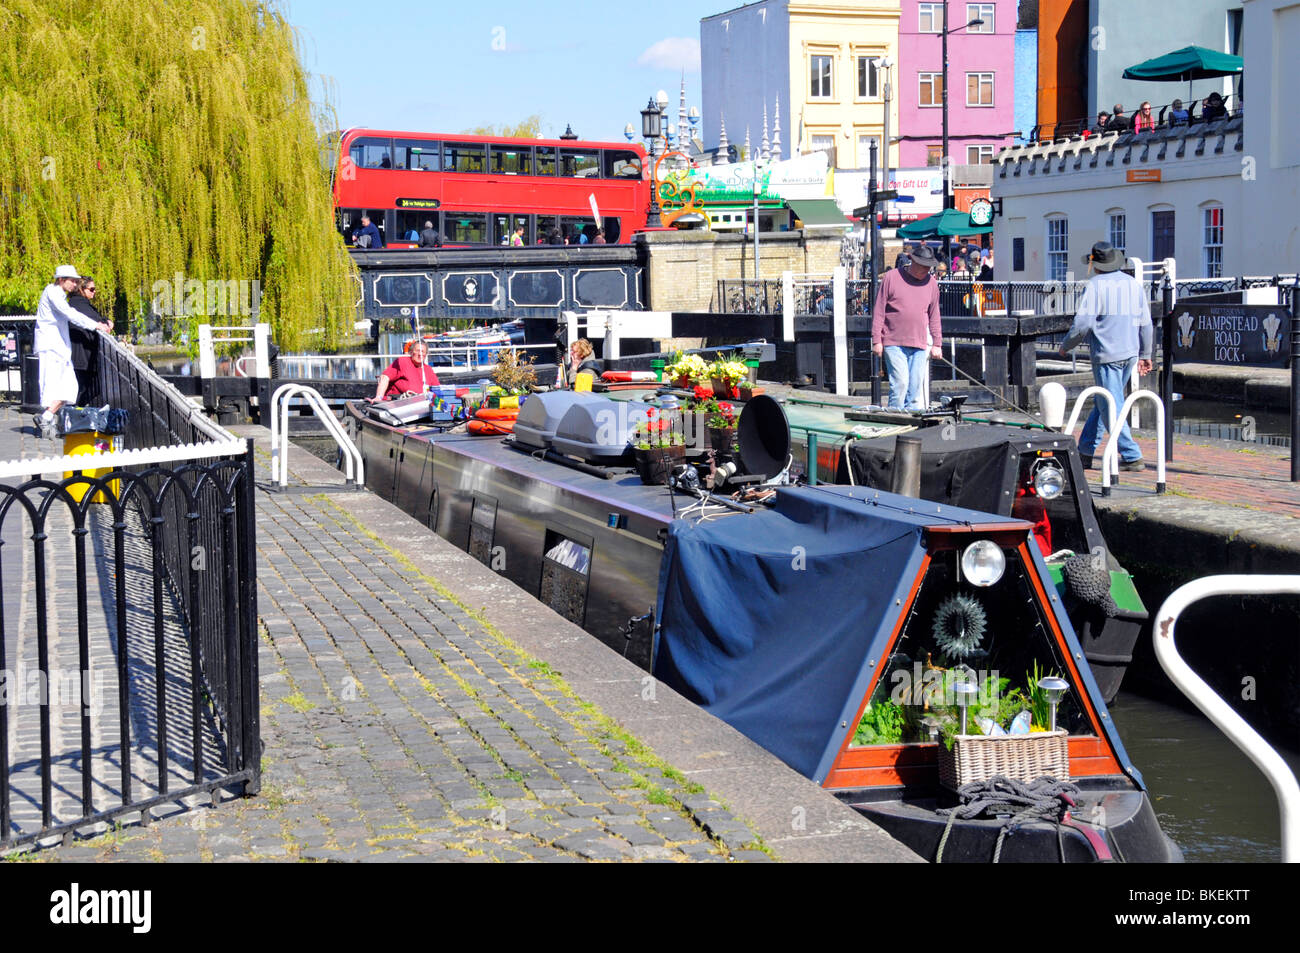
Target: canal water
(1210,798)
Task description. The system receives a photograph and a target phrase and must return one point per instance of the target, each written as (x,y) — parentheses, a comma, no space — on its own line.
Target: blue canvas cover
(768,620)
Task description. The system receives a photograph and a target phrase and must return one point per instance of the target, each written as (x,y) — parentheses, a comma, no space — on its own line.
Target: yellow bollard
(83,444)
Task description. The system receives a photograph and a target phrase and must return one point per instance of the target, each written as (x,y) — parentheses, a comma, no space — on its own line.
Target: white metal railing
(1111,451)
(113,459)
(1215,708)
(1078,409)
(354,465)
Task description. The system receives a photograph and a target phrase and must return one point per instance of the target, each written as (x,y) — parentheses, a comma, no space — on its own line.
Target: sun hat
(65,271)
(923,255)
(1105,257)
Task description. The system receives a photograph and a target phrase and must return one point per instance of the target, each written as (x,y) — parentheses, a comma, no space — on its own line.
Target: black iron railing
(137,583)
(748,296)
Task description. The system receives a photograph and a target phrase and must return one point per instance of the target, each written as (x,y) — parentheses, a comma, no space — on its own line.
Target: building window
(1058,248)
(933,155)
(979,155)
(824,144)
(981,11)
(1213,255)
(868,78)
(979,89)
(930,18)
(1118,232)
(1017,254)
(864,151)
(821,77)
(931,85)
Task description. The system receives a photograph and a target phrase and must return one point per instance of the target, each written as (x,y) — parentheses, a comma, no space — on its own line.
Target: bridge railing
(137,562)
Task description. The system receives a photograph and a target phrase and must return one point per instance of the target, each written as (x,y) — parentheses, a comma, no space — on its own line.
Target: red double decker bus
(476,190)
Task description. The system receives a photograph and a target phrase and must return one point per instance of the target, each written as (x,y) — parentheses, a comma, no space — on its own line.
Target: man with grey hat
(1114,317)
(906,308)
(54,349)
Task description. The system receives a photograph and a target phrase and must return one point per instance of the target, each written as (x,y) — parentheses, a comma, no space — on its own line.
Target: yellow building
(798,77)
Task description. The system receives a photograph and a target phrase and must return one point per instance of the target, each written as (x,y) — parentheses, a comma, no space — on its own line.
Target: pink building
(981,80)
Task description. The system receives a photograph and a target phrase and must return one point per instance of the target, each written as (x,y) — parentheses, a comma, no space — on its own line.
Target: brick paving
(1218,471)
(398,727)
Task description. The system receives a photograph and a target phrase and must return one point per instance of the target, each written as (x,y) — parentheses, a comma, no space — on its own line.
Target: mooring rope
(1017,802)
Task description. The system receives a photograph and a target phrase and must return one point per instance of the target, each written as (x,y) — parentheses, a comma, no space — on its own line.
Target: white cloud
(675,53)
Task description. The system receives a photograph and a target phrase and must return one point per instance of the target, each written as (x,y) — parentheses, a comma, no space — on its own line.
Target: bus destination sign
(418,203)
(1240,335)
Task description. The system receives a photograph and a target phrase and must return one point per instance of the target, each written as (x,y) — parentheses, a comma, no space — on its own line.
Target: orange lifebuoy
(497,413)
(490,428)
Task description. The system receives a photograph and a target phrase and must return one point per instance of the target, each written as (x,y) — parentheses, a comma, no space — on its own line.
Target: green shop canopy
(1185,65)
(949,223)
(819,213)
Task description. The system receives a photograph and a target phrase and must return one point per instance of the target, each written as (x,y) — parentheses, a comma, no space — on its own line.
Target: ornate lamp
(1054,688)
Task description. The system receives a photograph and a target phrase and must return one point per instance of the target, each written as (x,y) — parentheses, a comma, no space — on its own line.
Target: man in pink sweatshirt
(907,305)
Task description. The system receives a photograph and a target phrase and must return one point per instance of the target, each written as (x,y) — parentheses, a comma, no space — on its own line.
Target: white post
(1110,452)
(262,349)
(207,355)
(611,335)
(1277,771)
(787,305)
(839,330)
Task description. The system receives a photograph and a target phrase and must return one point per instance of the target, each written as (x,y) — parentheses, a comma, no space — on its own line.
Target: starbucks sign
(981,212)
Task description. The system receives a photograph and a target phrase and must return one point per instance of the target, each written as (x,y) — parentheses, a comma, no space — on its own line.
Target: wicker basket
(1020,757)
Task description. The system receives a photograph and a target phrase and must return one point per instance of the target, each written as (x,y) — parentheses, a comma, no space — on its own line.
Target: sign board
(1144,175)
(981,212)
(417,203)
(1233,335)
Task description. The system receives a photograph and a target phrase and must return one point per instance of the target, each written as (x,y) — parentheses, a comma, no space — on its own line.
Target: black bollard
(1295,385)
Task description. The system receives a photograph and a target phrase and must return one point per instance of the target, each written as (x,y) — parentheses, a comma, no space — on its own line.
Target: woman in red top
(407,375)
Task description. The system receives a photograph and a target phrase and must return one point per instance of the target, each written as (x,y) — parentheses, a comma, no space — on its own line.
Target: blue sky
(435,66)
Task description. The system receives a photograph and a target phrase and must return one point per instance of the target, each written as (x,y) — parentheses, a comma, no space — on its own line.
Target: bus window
(612,229)
(349,221)
(579,162)
(620,164)
(545,161)
(464,157)
(504,225)
(419,154)
(410,223)
(372,153)
(575,229)
(545,225)
(512,160)
(465,228)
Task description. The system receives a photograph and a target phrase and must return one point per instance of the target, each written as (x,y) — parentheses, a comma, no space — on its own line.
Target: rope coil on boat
(1088,579)
(1016,802)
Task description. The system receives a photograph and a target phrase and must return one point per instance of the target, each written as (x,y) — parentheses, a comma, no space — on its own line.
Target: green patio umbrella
(1185,65)
(949,223)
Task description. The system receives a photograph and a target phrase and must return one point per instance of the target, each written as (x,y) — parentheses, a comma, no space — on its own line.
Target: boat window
(996,637)
(416,154)
(371,153)
(621,164)
(512,160)
(582,163)
(464,157)
(566,568)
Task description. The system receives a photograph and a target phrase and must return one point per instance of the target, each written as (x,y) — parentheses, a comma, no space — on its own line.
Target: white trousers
(58,379)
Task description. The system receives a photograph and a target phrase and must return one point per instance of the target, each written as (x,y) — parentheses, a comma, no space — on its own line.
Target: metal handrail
(280,434)
(1111,450)
(1213,706)
(1111,416)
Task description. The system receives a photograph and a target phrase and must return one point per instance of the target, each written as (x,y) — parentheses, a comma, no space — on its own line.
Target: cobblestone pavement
(1234,474)
(399,727)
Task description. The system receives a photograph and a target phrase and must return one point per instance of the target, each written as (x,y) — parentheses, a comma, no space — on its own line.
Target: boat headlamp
(983,563)
(1048,479)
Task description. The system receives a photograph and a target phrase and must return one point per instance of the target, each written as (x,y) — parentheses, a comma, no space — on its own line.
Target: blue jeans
(906,368)
(1114,378)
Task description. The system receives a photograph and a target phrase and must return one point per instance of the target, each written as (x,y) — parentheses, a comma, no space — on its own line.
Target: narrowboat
(879,644)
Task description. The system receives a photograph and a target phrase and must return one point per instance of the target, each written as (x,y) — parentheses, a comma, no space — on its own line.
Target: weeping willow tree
(167,148)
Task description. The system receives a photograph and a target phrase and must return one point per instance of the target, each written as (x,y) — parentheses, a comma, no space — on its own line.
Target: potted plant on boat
(721,423)
(686,370)
(659,447)
(514,377)
(727,376)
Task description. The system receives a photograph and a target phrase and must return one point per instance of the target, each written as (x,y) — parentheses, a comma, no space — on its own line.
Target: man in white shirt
(58,379)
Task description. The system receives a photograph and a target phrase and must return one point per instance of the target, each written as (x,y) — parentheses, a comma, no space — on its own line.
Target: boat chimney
(905,476)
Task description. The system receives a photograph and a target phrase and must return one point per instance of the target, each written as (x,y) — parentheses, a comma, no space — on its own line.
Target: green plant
(1040,712)
(514,372)
(690,366)
(658,431)
(881,724)
(730,371)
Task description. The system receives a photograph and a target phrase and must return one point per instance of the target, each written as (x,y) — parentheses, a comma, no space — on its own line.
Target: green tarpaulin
(949,223)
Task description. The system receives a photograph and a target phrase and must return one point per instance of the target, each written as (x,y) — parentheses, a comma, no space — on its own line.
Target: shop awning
(819,213)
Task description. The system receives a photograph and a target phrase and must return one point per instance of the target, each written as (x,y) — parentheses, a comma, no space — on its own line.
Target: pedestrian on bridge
(54,348)
(1114,317)
(905,327)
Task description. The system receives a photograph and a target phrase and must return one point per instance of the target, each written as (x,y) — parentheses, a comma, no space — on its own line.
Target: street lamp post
(758,186)
(877,254)
(652,118)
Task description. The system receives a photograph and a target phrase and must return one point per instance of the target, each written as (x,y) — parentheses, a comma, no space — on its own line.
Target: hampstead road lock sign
(1236,335)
